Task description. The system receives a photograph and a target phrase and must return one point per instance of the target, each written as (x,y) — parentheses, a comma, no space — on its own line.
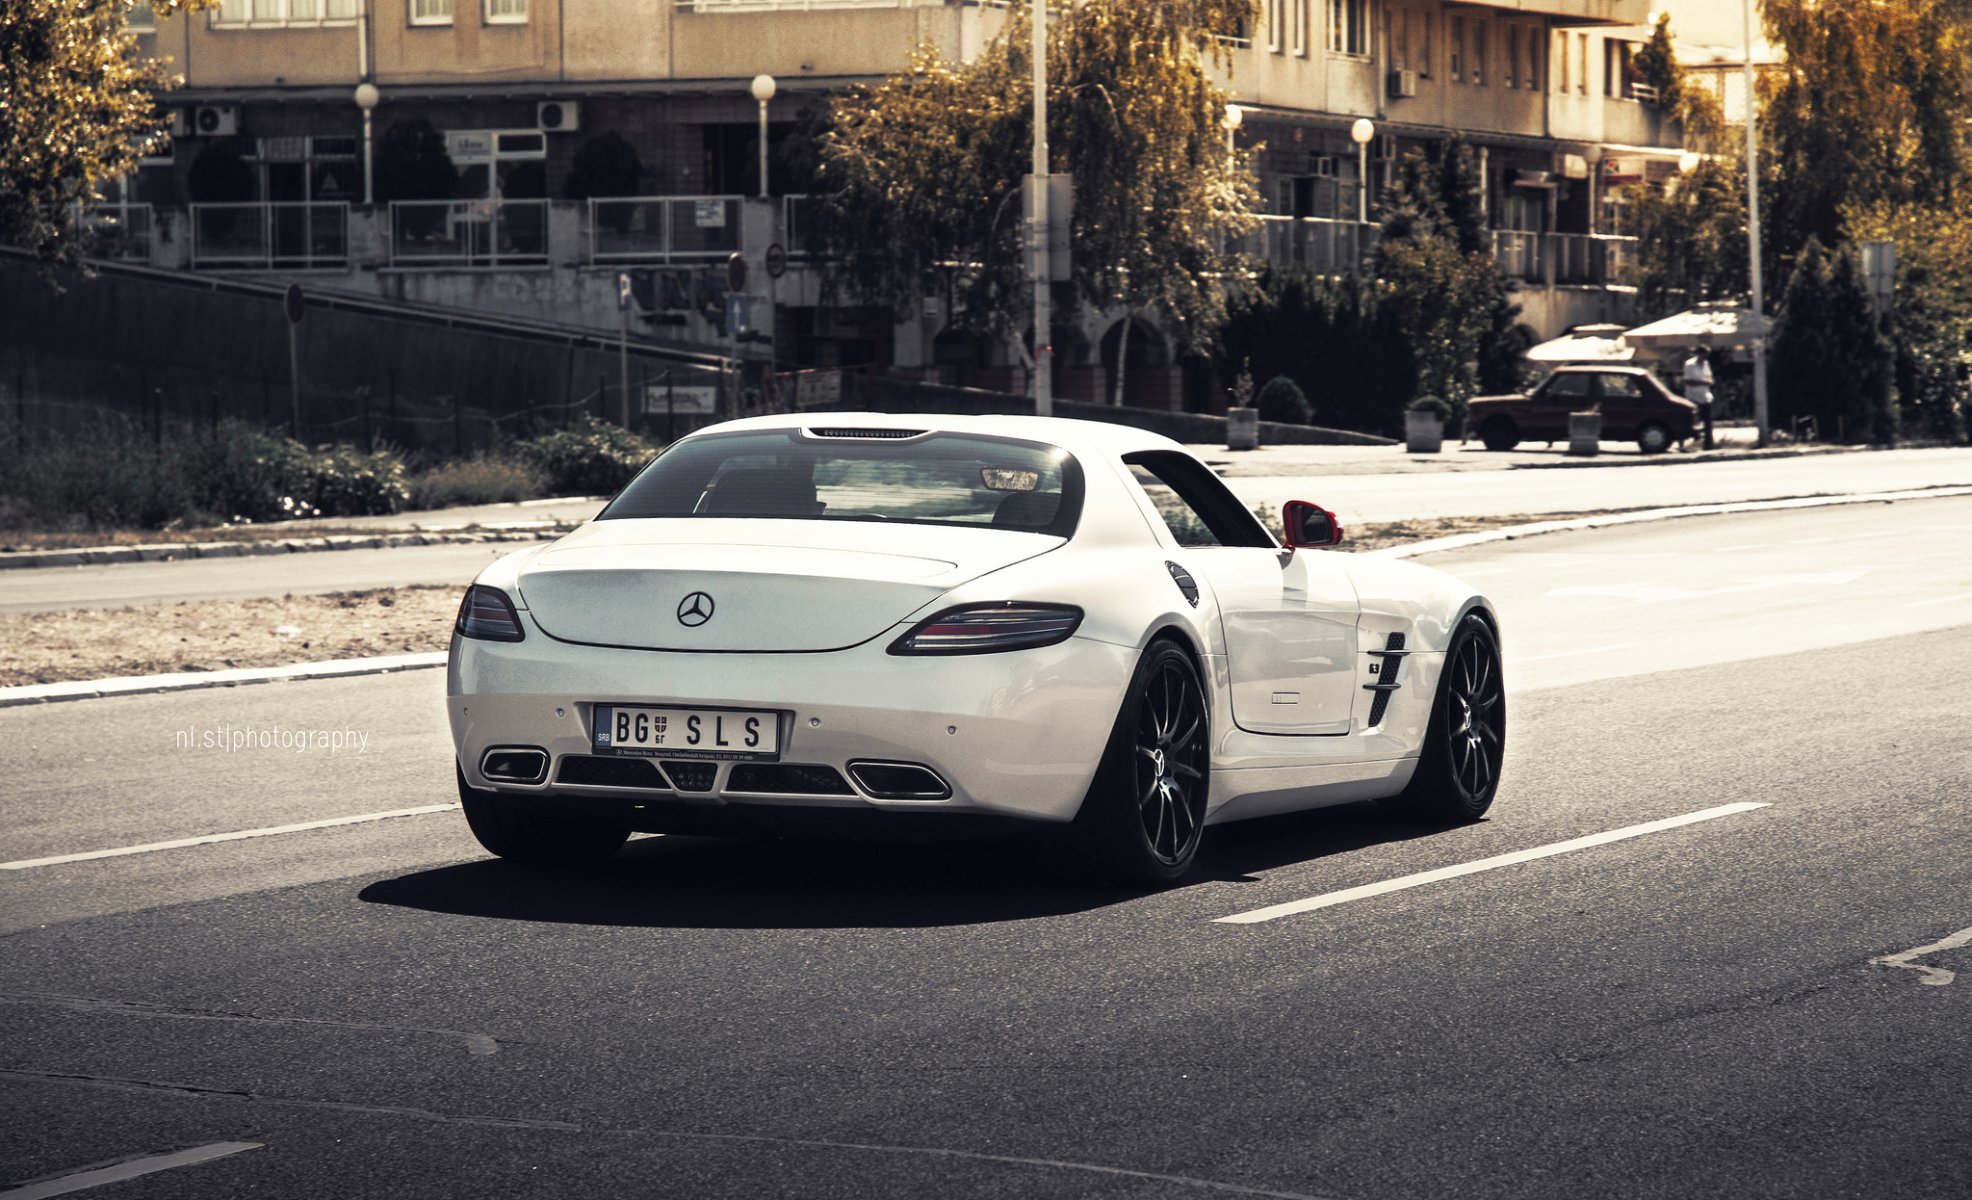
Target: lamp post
(1362,133)
(1760,419)
(1234,118)
(366,99)
(763,91)
(1039,228)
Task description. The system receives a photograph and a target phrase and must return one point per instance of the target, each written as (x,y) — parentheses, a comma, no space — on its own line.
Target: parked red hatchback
(1634,407)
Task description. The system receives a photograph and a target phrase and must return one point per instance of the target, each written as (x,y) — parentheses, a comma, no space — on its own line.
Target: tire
(1458,770)
(525,829)
(1653,437)
(1499,433)
(1141,823)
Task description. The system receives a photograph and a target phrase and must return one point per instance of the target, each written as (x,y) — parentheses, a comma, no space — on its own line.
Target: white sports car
(799,622)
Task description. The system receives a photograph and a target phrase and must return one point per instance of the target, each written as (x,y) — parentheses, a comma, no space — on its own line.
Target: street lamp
(366,99)
(763,91)
(1688,162)
(1753,234)
(1362,133)
(1234,118)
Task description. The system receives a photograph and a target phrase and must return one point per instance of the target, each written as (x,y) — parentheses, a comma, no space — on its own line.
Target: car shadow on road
(712,883)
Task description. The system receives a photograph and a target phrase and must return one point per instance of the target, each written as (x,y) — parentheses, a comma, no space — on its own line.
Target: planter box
(1584,433)
(1242,428)
(1424,432)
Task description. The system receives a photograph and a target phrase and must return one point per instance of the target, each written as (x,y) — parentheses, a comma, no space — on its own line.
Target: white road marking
(65,1184)
(1330,899)
(1521,662)
(206,839)
(1940,600)
(1933,976)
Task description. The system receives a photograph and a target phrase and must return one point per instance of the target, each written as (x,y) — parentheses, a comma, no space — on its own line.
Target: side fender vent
(1386,670)
(1186,584)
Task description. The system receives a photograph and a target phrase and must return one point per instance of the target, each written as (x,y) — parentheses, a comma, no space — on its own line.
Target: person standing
(1698,388)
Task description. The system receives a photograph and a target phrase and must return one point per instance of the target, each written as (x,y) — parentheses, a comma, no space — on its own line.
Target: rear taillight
(988,628)
(487,613)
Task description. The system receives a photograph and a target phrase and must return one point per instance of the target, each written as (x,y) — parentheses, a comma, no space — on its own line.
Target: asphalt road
(1693,1011)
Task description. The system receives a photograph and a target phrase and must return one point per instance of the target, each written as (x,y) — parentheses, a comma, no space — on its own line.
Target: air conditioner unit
(215,120)
(1403,85)
(558,116)
(1323,166)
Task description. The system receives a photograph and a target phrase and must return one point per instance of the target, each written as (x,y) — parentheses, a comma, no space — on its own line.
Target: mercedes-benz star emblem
(695,610)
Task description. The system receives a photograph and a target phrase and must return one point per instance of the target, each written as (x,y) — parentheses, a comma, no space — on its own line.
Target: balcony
(1564,259)
(663,229)
(468,233)
(299,235)
(1320,245)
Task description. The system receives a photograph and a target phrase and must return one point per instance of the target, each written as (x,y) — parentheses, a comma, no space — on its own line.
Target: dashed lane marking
(1330,899)
(25,864)
(61,1185)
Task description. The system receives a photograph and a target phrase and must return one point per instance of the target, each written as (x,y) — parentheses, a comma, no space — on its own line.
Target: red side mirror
(1310,525)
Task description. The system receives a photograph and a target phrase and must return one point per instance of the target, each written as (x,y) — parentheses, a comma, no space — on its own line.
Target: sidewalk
(1732,442)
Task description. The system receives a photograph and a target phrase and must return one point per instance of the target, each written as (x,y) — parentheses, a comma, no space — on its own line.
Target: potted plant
(1424,425)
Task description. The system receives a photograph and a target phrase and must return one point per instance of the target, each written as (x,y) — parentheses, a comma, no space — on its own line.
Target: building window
(284,12)
(1276,25)
(1582,64)
(1476,68)
(1618,69)
(1348,27)
(139,18)
(431,12)
(1410,36)
(1513,56)
(1458,49)
(506,12)
(1535,66)
(1300,22)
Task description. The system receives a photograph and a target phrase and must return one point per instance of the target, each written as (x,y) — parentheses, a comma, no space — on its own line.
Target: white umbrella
(1584,344)
(1710,325)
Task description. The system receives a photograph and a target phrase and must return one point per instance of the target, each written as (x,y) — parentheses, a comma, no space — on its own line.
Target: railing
(119,231)
(785,5)
(1589,260)
(1318,244)
(287,235)
(662,229)
(468,233)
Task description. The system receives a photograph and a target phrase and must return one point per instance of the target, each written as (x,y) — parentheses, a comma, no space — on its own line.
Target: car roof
(1082,438)
(1584,368)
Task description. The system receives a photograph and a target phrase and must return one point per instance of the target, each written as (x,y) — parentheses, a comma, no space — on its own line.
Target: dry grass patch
(215,635)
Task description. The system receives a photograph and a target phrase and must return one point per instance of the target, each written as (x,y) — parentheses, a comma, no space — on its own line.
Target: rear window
(932,479)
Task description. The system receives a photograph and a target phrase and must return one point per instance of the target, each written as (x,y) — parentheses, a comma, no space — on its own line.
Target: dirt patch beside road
(215,635)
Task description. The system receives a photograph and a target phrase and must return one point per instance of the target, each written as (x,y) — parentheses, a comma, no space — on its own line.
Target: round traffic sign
(292,303)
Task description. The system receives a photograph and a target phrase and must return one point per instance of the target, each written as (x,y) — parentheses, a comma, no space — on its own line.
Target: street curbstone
(141,685)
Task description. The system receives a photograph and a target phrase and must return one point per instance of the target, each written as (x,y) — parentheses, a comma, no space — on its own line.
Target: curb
(185,681)
(1697,458)
(509,531)
(1509,533)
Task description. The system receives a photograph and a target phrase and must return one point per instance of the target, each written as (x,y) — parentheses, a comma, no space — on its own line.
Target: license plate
(734,734)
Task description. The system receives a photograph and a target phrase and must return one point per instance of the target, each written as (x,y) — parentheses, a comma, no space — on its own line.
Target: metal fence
(288,235)
(663,229)
(118,231)
(1588,260)
(1318,244)
(469,233)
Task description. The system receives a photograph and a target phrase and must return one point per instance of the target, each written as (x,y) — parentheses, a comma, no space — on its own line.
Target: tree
(1870,108)
(1692,238)
(604,165)
(1829,361)
(78,108)
(1932,311)
(413,164)
(924,170)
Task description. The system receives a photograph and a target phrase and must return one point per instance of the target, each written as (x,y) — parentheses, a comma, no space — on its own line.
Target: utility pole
(1038,228)
(1760,419)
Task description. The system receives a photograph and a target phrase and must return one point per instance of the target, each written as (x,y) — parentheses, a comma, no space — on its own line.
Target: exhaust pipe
(899,781)
(515,764)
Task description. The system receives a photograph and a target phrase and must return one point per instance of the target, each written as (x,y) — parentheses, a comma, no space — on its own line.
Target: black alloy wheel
(1458,770)
(1141,823)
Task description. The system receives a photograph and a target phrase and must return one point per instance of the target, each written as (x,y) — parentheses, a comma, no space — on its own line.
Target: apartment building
(1542,89)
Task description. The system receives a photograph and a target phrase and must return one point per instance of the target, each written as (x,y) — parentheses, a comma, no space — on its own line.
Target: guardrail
(1579,259)
(1318,244)
(118,231)
(663,229)
(286,235)
(468,233)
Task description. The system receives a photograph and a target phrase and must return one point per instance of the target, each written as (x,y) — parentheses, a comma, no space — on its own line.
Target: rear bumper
(1017,734)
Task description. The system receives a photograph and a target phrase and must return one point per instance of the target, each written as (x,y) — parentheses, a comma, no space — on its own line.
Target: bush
(348,482)
(474,481)
(246,473)
(113,474)
(1282,400)
(592,458)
